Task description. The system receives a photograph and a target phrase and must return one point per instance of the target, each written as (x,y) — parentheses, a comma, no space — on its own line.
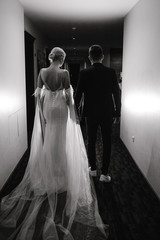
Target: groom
(99,86)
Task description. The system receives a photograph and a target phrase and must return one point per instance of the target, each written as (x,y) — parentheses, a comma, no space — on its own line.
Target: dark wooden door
(29,66)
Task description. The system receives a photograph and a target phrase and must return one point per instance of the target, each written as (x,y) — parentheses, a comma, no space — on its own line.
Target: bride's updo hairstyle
(57,54)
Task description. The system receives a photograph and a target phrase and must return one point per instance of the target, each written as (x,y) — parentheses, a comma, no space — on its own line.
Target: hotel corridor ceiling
(79,23)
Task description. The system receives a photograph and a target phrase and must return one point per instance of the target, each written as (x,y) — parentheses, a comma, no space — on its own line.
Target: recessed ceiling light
(74,28)
(73,38)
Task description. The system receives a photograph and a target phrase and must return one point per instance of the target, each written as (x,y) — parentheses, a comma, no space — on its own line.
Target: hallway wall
(13,125)
(13,137)
(140,123)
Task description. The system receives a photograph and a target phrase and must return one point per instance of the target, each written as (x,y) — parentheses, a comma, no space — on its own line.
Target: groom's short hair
(96,52)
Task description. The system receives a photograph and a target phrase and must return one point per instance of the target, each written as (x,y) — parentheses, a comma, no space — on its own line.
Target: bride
(56,197)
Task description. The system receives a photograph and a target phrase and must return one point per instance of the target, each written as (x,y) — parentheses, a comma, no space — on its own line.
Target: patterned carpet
(137,204)
(128,203)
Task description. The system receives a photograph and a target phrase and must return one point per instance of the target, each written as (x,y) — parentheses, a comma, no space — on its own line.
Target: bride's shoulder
(65,72)
(43,70)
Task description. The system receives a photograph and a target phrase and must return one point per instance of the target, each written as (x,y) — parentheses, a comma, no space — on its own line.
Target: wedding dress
(56,198)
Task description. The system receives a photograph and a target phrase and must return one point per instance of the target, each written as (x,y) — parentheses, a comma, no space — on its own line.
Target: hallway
(129,34)
(128,203)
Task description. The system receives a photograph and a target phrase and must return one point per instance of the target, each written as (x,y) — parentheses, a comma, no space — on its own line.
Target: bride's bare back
(54,78)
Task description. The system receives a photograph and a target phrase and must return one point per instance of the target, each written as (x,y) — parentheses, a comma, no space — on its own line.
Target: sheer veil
(56,197)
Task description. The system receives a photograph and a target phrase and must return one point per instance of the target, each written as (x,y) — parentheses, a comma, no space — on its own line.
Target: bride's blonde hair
(56,54)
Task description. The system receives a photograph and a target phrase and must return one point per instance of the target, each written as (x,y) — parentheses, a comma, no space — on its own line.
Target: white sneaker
(92,173)
(105,178)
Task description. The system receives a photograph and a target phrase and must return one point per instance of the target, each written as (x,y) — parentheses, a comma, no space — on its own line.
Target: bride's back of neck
(55,65)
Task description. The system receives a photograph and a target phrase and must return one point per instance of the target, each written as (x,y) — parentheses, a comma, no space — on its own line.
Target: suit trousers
(105,124)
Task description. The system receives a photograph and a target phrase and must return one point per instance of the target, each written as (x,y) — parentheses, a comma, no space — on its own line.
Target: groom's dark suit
(100,87)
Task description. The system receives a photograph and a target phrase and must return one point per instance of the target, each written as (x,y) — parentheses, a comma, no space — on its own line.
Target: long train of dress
(56,197)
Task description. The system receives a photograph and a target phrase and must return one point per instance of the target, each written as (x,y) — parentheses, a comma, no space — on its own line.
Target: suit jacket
(101,91)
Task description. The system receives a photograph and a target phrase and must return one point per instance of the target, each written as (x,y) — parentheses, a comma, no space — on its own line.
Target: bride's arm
(71,104)
(66,85)
(69,96)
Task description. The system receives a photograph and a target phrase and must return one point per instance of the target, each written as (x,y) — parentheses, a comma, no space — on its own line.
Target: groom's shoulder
(86,70)
(108,70)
